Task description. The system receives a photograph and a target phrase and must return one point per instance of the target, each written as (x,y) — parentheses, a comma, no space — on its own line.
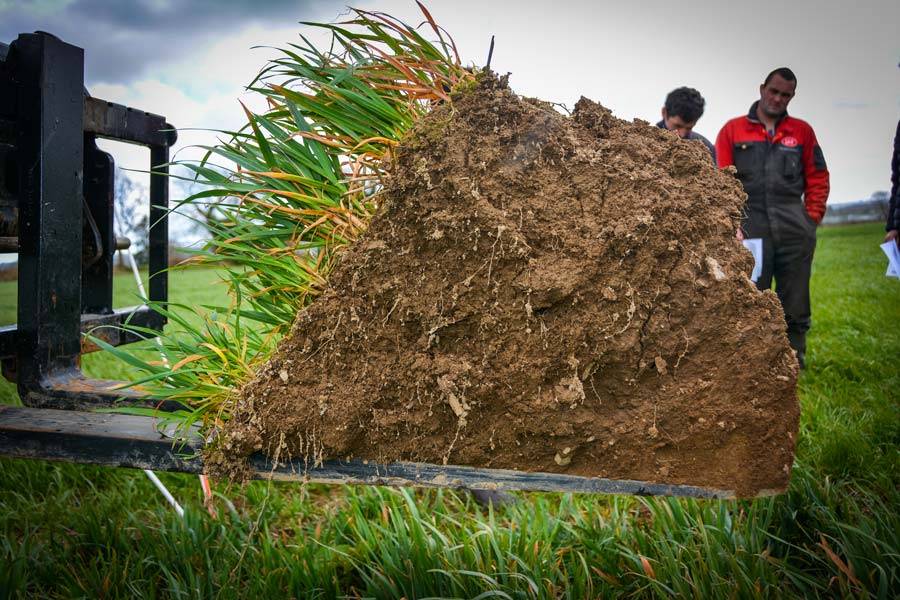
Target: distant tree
(131,214)
(207,214)
(881,197)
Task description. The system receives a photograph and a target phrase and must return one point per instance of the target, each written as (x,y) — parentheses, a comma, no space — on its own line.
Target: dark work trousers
(774,176)
(789,261)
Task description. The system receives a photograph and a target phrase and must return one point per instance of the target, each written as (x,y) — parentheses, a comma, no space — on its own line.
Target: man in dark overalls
(782,168)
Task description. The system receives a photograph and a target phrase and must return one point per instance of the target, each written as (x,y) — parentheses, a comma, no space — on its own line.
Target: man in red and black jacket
(782,168)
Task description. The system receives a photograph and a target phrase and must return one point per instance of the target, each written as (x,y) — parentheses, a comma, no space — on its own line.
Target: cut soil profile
(544,293)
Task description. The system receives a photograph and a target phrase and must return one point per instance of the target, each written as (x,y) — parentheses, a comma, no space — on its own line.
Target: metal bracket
(56,202)
(120,440)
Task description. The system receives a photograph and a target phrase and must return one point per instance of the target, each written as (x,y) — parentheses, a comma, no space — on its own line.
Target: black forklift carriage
(56,213)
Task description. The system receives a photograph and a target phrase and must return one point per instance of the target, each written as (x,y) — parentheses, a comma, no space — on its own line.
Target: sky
(190,59)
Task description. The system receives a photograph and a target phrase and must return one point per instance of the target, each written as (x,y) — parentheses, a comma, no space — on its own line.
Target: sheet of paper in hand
(755,246)
(893,254)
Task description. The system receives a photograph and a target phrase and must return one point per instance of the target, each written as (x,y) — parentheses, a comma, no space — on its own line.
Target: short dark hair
(782,72)
(686,103)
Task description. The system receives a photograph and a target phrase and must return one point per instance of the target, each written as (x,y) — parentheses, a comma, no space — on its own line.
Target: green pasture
(198,287)
(73,531)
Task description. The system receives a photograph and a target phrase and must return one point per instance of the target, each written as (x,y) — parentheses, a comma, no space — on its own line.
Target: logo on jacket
(790,141)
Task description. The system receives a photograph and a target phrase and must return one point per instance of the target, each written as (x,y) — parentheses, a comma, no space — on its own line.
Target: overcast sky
(189,59)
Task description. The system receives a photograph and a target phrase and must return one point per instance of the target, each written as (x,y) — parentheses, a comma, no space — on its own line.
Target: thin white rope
(204,482)
(165,492)
(159,484)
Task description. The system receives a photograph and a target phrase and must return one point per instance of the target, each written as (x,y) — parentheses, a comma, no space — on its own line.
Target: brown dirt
(542,293)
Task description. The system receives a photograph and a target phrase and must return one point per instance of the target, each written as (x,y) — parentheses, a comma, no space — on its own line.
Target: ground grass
(73,531)
(198,287)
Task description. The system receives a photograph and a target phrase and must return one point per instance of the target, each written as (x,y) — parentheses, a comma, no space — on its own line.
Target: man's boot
(798,343)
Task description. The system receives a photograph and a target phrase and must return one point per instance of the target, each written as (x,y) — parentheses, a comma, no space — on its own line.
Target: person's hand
(893,236)
(740,235)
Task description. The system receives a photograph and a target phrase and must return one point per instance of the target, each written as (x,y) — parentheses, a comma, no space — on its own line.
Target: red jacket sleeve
(725,146)
(817,178)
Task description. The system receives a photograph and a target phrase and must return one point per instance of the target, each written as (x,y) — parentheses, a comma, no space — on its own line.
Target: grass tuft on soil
(283,196)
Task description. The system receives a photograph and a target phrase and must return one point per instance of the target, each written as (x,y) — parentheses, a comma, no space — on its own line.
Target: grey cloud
(145,15)
(122,38)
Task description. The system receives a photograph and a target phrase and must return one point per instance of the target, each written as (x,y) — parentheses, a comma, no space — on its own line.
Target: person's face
(775,96)
(677,124)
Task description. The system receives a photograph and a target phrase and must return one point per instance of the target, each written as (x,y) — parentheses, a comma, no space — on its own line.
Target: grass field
(72,531)
(198,288)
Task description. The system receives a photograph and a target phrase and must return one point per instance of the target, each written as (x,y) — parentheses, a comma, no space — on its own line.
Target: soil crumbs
(542,293)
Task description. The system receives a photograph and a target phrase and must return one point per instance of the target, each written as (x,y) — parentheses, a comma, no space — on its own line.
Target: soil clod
(541,293)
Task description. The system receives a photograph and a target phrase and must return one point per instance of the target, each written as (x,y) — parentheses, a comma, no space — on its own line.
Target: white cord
(165,492)
(204,482)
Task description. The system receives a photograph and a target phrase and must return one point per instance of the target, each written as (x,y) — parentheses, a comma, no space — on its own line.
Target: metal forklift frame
(61,187)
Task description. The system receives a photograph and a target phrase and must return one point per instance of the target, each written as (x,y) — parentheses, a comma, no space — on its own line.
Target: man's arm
(893,218)
(817,178)
(725,146)
(724,156)
(895,165)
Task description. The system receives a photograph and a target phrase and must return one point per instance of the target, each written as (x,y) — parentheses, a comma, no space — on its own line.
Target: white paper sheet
(755,246)
(893,254)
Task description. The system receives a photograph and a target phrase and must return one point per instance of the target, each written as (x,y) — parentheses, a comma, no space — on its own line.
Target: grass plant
(291,189)
(81,531)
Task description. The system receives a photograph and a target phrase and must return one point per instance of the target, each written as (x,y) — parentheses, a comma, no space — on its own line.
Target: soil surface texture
(544,293)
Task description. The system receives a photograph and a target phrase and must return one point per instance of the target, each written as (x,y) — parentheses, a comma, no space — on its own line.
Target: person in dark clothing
(893,216)
(783,171)
(683,108)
